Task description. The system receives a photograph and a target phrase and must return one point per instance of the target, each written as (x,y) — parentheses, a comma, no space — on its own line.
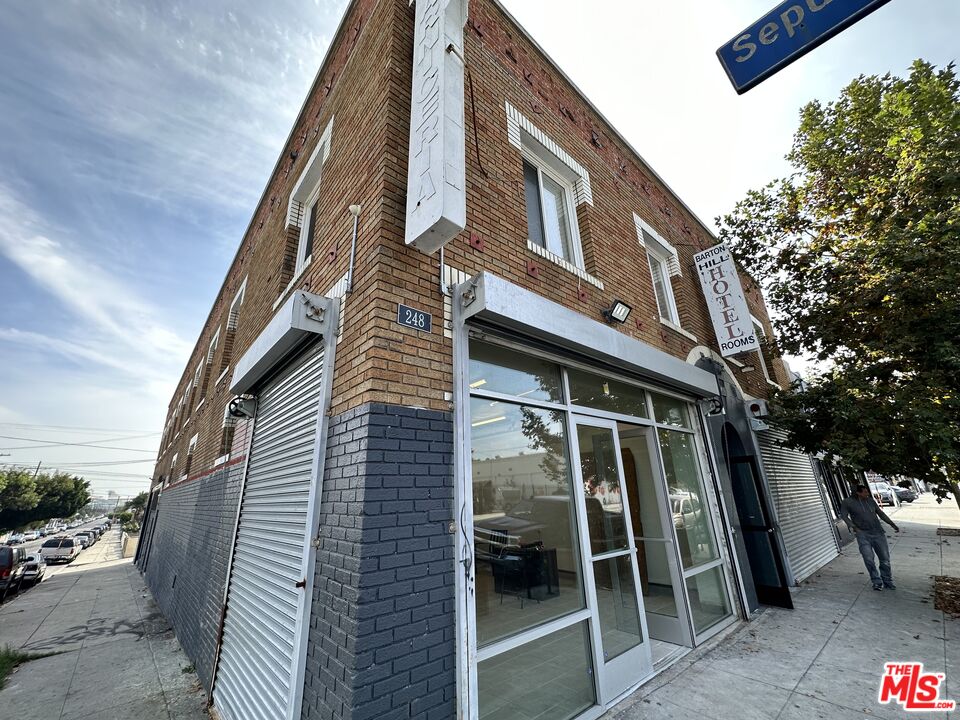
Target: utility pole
(37,471)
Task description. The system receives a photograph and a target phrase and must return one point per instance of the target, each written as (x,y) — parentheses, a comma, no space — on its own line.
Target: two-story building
(458,438)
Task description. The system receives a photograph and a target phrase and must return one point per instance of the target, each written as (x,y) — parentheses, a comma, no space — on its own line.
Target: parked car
(12,566)
(904,494)
(35,569)
(885,492)
(15,539)
(84,540)
(31,535)
(60,549)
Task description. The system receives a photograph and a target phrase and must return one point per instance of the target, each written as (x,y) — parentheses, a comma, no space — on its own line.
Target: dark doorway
(757,530)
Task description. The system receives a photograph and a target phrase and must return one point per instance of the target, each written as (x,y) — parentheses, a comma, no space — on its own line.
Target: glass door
(619,630)
(660,575)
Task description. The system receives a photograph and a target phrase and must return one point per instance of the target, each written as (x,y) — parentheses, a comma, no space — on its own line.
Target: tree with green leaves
(858,251)
(27,498)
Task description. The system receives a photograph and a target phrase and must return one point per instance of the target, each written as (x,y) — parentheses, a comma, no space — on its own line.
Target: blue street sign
(787,32)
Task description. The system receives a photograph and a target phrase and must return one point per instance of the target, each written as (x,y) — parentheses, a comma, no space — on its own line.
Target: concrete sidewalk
(824,659)
(118,656)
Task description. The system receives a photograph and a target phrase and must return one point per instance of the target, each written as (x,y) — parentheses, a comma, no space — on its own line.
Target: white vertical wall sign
(436,186)
(724,294)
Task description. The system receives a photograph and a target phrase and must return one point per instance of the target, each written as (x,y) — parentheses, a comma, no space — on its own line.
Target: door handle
(301,583)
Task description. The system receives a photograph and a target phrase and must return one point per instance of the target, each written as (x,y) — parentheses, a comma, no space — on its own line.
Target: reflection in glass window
(601,486)
(670,411)
(525,532)
(603,393)
(687,502)
(500,369)
(552,676)
(617,606)
(709,603)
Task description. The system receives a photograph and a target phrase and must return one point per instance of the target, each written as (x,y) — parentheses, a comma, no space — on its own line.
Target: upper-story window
(551,218)
(554,185)
(664,264)
(761,337)
(304,208)
(233,318)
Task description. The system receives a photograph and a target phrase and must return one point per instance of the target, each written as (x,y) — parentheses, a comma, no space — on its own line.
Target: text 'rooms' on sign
(724,294)
(786,33)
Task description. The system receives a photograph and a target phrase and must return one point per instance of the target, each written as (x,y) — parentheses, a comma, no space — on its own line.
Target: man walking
(862,515)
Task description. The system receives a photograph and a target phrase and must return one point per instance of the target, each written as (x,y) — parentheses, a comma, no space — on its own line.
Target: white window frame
(761,336)
(212,348)
(233,316)
(304,195)
(543,167)
(659,250)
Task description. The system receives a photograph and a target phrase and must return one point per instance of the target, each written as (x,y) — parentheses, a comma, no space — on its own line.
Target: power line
(77,428)
(87,463)
(47,443)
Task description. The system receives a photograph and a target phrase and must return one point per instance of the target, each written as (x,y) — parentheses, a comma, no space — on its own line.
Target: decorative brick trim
(516,122)
(645,232)
(566,265)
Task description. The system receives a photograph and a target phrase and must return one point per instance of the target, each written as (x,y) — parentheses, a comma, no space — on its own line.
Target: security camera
(757,408)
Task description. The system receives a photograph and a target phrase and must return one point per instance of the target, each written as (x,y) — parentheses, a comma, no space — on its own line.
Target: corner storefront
(591,539)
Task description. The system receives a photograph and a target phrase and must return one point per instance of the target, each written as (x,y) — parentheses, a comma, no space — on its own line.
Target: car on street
(59,549)
(31,535)
(35,569)
(904,494)
(15,539)
(84,539)
(12,566)
(885,492)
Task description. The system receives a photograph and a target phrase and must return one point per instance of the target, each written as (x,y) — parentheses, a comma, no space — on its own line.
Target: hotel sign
(436,187)
(724,295)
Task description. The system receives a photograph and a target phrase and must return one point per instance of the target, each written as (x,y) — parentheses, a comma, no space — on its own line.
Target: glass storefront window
(500,369)
(525,532)
(550,677)
(670,411)
(601,393)
(708,598)
(601,486)
(687,502)
(617,606)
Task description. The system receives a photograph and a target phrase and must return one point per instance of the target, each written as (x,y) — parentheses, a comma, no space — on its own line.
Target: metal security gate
(805,525)
(259,675)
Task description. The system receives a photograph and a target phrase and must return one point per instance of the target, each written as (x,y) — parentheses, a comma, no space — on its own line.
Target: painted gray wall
(382,635)
(187,563)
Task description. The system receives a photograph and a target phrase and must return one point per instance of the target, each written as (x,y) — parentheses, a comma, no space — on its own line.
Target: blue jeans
(871,543)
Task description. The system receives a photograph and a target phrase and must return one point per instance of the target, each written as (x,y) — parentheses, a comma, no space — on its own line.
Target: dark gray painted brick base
(187,563)
(382,634)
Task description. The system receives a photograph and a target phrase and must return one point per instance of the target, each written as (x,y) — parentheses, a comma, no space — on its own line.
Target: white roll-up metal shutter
(255,676)
(803,519)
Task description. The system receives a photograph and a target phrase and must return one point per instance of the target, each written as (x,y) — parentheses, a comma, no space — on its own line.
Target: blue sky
(136,138)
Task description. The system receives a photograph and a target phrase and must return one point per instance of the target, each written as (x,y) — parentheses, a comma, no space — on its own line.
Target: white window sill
(221,460)
(736,363)
(200,404)
(565,264)
(772,384)
(222,375)
(677,329)
(290,285)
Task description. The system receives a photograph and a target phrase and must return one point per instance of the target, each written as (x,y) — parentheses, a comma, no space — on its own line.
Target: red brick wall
(365,85)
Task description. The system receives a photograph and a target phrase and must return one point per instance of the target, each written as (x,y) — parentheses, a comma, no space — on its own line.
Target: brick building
(398,482)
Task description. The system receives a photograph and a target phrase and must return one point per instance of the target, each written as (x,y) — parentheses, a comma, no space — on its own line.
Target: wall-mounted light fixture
(618,312)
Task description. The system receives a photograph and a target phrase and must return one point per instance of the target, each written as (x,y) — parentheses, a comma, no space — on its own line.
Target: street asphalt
(118,657)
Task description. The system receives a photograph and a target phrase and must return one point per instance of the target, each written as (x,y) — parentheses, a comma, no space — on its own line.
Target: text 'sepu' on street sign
(724,295)
(413,318)
(787,32)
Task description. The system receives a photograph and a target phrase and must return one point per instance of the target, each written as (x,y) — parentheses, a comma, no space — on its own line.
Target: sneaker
(890,586)
(878,586)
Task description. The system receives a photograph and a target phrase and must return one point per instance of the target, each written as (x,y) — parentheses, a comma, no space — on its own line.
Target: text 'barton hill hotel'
(461,436)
